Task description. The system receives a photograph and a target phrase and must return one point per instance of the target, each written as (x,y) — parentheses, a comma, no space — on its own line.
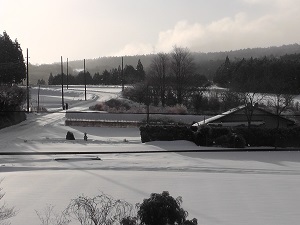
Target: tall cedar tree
(12,66)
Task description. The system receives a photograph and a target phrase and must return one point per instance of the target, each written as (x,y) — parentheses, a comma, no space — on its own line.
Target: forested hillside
(206,63)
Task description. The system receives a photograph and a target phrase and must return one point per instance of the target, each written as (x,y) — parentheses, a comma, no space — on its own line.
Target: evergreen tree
(140,71)
(12,66)
(50,79)
(97,79)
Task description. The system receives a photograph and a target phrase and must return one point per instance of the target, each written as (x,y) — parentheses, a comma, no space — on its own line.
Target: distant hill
(206,63)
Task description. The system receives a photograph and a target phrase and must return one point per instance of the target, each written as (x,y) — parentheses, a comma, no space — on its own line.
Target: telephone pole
(122,76)
(84,80)
(67,73)
(27,84)
(62,83)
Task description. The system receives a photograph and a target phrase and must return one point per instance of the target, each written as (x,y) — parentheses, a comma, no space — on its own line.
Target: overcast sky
(80,29)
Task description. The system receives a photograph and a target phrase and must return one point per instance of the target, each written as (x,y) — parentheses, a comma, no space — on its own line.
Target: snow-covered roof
(211,119)
(231,111)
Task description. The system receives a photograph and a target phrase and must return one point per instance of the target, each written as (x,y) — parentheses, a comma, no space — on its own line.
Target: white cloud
(276,28)
(134,49)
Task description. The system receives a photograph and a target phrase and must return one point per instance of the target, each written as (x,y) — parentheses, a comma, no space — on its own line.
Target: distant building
(237,117)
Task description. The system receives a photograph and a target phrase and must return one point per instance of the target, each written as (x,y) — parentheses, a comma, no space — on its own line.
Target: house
(237,117)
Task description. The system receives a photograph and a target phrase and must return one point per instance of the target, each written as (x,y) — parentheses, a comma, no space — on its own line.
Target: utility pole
(38,103)
(27,86)
(67,73)
(122,76)
(84,80)
(62,83)
(148,104)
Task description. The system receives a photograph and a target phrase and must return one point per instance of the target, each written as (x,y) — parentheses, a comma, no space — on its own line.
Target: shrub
(177,109)
(117,103)
(70,136)
(237,141)
(203,136)
(161,209)
(222,141)
(101,209)
(11,118)
(5,211)
(99,107)
(11,98)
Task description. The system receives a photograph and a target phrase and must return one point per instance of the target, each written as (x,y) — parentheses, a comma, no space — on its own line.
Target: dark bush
(222,140)
(70,136)
(161,209)
(117,104)
(191,222)
(237,141)
(11,118)
(283,137)
(203,136)
(12,98)
(165,133)
(98,107)
(129,221)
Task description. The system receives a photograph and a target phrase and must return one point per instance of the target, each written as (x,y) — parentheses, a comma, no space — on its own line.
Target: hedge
(225,137)
(11,118)
(165,133)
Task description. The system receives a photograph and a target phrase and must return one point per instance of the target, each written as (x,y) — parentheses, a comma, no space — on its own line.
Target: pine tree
(12,66)
(140,71)
(50,80)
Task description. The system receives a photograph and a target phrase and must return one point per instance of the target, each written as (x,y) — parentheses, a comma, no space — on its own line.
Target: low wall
(102,123)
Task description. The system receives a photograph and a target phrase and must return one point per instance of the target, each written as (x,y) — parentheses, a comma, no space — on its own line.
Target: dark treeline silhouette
(114,76)
(265,75)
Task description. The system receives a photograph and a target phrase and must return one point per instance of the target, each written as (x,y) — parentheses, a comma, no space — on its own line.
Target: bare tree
(50,217)
(5,211)
(159,69)
(251,100)
(280,103)
(182,67)
(99,210)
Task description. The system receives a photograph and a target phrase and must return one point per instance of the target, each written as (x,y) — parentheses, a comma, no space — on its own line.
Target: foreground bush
(161,209)
(6,212)
(11,98)
(11,102)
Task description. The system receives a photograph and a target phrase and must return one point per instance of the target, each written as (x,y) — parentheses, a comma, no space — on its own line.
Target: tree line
(264,75)
(114,76)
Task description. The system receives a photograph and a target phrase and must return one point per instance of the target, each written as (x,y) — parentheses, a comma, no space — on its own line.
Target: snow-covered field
(217,188)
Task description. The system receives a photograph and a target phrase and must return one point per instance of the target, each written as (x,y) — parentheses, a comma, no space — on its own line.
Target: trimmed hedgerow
(225,137)
(283,137)
(165,133)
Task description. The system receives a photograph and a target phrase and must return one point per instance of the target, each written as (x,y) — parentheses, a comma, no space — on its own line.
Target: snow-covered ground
(217,188)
